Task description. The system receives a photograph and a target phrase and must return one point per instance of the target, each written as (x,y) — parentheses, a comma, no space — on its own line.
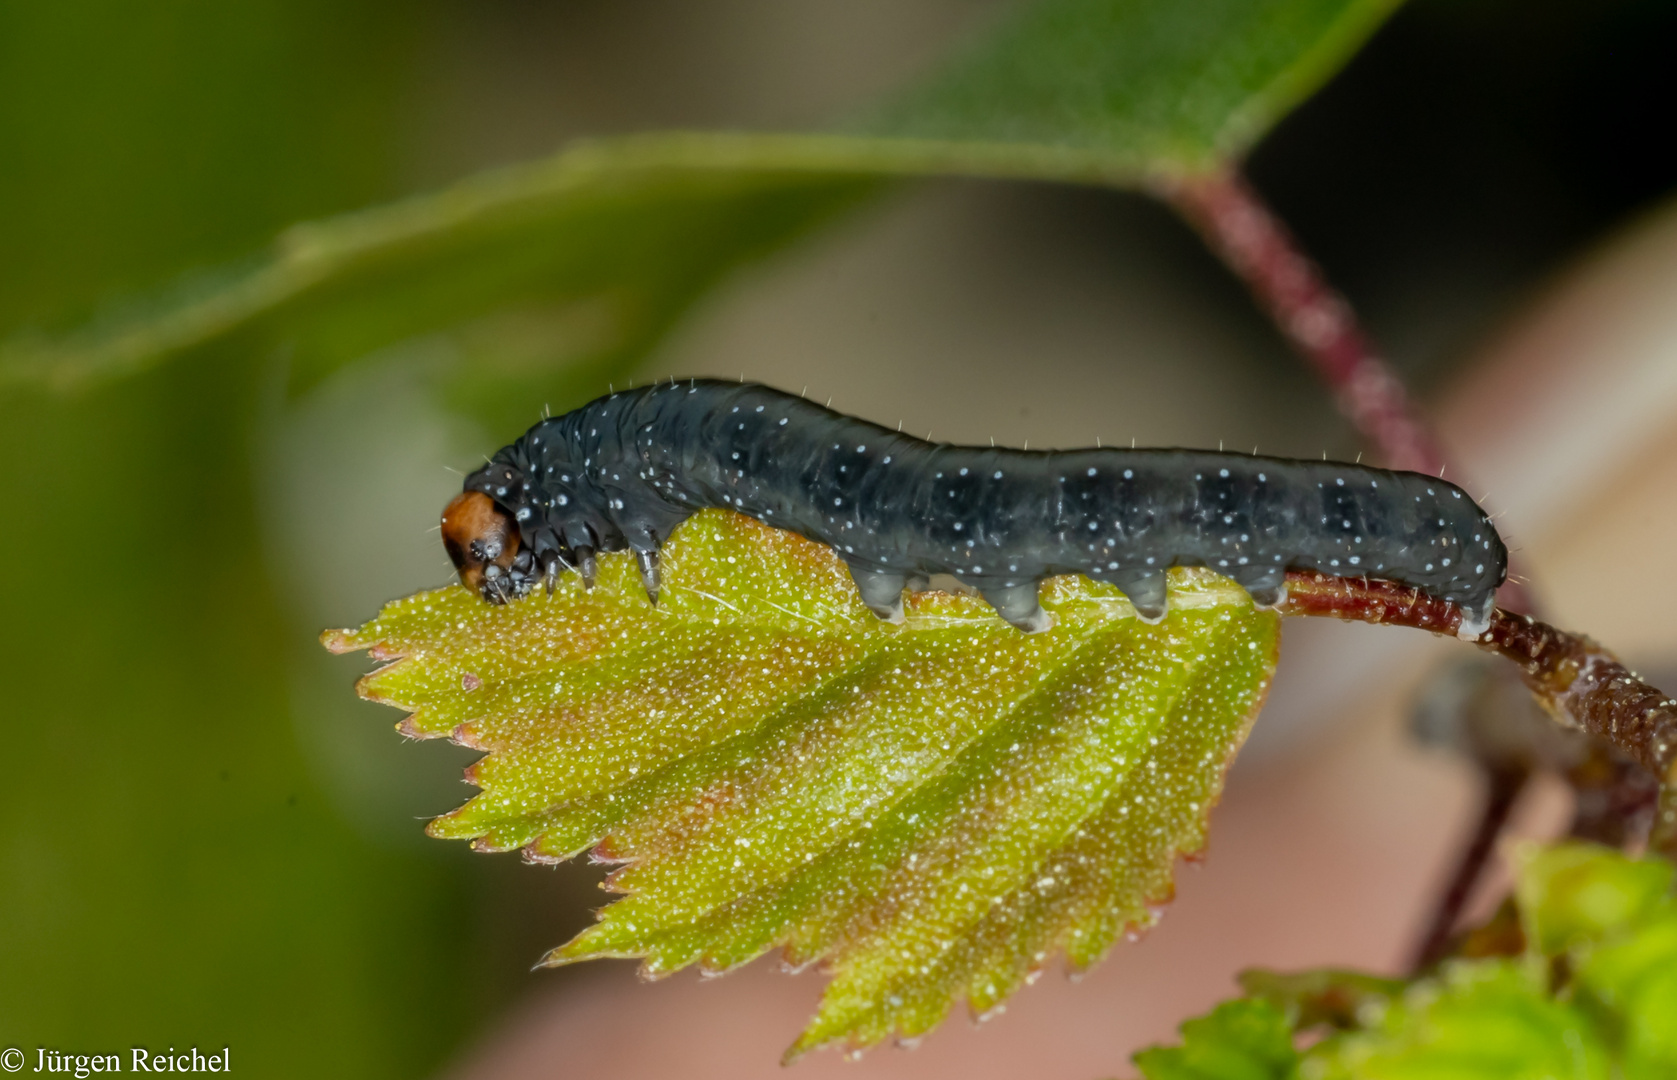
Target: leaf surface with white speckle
(932,810)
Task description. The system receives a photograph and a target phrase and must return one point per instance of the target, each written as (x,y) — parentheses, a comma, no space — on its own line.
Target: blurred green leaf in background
(172,872)
(612,240)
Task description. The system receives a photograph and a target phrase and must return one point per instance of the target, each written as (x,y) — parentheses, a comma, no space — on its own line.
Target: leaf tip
(342,641)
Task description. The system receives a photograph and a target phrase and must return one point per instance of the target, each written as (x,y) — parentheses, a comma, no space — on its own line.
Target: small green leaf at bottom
(929,810)
(1492,1018)
(1594,996)
(1244,1039)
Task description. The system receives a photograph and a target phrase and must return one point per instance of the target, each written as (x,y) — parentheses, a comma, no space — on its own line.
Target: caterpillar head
(482,539)
(506,533)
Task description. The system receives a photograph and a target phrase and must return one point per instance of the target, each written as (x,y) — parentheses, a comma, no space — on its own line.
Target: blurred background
(206,840)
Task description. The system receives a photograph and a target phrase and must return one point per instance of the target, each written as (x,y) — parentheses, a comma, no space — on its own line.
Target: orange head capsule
(482,539)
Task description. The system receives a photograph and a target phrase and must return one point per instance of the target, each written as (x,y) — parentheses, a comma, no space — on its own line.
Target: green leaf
(1244,1039)
(932,809)
(178,866)
(1632,982)
(602,247)
(1572,895)
(1608,1010)
(1325,996)
(1142,87)
(599,247)
(1616,920)
(1478,1020)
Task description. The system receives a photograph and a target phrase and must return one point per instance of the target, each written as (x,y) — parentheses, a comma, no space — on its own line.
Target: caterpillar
(626,469)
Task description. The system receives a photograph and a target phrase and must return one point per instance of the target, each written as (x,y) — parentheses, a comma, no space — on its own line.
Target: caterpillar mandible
(626,469)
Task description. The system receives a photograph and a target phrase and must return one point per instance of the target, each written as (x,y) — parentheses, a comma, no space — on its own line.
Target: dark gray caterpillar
(625,470)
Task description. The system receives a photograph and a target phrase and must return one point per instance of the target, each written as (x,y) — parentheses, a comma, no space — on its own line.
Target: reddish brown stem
(1581,684)
(1238,225)
(1614,798)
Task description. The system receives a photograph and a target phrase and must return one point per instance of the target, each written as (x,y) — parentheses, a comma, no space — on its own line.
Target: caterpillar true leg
(651,577)
(586,566)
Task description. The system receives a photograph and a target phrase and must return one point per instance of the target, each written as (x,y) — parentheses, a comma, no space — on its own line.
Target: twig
(1581,684)
(1502,791)
(1614,798)
(1246,234)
